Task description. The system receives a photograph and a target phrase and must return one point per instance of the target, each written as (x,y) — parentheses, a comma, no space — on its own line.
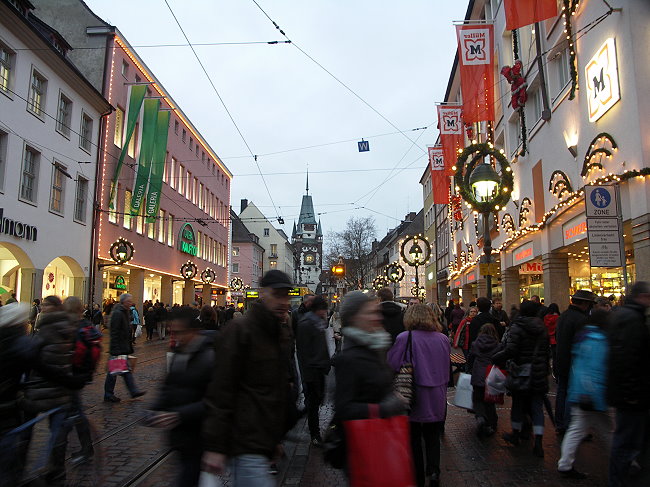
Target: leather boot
(512,438)
(538,449)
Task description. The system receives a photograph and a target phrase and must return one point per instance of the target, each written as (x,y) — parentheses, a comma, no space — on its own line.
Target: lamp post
(484,190)
(415,251)
(484,181)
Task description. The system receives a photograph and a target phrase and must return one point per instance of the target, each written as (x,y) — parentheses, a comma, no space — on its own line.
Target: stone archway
(16,273)
(64,277)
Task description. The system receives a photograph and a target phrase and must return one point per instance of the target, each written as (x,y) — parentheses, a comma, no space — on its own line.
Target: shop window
(181,180)
(3,158)
(235,251)
(80,198)
(37,91)
(119,127)
(151,227)
(7,58)
(560,65)
(57,192)
(86,132)
(29,178)
(125,69)
(161,226)
(127,209)
(64,115)
(171,174)
(235,267)
(112,213)
(133,141)
(201,196)
(189,184)
(170,230)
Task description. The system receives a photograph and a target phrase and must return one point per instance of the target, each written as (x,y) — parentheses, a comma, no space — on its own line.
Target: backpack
(87,349)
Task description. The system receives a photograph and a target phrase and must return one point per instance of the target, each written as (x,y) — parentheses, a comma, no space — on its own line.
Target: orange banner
(450,124)
(439,176)
(476,56)
(525,12)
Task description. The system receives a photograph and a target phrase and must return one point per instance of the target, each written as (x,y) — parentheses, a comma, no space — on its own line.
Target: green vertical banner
(149,122)
(152,203)
(136,97)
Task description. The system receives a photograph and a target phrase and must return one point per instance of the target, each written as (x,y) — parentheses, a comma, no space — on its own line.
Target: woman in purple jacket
(431,366)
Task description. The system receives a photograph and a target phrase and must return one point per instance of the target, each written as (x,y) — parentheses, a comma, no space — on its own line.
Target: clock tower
(307,239)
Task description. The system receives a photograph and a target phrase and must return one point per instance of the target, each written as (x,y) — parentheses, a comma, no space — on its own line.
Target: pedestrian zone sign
(601,201)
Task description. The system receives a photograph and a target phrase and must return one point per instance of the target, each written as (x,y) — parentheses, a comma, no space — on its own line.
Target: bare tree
(354,243)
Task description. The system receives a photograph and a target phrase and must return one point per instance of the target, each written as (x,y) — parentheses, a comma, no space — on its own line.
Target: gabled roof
(319,230)
(240,234)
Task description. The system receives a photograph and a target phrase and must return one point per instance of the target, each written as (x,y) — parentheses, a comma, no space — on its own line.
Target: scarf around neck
(377,340)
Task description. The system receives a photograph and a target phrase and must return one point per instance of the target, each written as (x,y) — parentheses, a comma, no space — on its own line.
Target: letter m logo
(599,83)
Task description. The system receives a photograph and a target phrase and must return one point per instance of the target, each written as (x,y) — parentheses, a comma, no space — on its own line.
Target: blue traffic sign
(600,198)
(364,146)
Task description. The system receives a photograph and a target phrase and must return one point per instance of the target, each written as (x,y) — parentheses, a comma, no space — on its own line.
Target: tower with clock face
(307,239)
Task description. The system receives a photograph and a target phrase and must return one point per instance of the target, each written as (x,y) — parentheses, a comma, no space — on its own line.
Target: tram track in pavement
(148,469)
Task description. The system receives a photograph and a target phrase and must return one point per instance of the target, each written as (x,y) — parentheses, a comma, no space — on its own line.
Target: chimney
(244,204)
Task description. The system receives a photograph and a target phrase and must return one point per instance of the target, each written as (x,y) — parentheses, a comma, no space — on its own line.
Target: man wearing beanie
(247,403)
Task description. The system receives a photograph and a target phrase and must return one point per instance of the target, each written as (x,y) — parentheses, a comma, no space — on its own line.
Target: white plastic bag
(138,331)
(463,396)
(495,383)
(209,480)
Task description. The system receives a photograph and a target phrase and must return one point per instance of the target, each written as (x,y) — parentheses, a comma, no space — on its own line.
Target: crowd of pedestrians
(231,393)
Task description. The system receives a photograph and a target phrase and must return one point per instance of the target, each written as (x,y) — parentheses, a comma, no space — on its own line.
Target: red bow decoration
(517,82)
(456,205)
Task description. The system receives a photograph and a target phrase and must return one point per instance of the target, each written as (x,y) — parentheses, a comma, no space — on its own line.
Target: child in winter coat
(480,357)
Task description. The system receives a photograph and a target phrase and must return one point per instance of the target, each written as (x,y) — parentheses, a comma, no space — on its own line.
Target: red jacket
(461,337)
(550,321)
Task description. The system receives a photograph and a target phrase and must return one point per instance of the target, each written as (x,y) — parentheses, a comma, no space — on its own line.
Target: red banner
(439,176)
(450,123)
(526,12)
(476,55)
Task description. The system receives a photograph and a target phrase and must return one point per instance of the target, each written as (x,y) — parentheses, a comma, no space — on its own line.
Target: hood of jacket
(531,325)
(390,308)
(48,319)
(485,343)
(314,320)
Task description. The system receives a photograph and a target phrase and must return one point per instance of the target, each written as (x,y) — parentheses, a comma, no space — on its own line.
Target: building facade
(278,252)
(307,239)
(49,123)
(247,255)
(430,282)
(192,222)
(597,137)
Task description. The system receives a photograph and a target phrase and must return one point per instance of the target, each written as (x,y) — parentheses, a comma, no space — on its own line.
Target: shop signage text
(601,78)
(120,283)
(17,229)
(604,226)
(187,240)
(522,254)
(574,230)
(531,268)
(252,294)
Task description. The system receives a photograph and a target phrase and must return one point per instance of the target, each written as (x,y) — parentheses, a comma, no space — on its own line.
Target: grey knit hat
(14,314)
(351,304)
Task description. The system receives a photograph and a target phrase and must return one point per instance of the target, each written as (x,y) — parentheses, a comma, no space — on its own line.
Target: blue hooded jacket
(588,379)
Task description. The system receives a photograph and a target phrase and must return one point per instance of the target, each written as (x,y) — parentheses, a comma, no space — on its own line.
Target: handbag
(117,365)
(379,451)
(464,389)
(495,385)
(334,448)
(404,382)
(519,377)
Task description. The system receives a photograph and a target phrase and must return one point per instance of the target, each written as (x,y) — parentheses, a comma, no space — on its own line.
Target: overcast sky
(395,55)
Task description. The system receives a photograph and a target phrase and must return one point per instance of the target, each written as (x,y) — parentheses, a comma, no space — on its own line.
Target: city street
(132,454)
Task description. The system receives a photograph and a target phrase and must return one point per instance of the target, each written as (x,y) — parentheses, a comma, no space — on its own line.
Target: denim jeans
(627,444)
(251,471)
(314,395)
(109,384)
(518,411)
(562,407)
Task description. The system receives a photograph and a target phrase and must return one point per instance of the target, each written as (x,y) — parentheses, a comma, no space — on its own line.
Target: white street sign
(605,255)
(601,201)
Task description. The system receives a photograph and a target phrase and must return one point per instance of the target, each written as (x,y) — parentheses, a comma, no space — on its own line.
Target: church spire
(307,187)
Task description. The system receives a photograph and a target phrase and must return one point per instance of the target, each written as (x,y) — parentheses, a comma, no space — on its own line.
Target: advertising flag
(152,204)
(149,122)
(136,97)
(439,176)
(476,61)
(525,12)
(450,122)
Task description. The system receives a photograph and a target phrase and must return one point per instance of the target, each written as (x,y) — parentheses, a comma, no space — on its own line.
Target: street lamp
(419,251)
(484,190)
(189,270)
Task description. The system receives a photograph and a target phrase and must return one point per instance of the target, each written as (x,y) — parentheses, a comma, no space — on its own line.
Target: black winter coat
(121,331)
(311,347)
(247,402)
(184,389)
(528,343)
(362,377)
(568,324)
(629,373)
(477,322)
(55,339)
(393,318)
(480,356)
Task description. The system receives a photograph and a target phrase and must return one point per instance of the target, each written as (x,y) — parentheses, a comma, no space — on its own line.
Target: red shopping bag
(379,452)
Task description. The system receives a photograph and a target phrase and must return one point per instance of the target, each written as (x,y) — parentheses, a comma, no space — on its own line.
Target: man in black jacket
(248,399)
(391,312)
(501,320)
(629,383)
(121,344)
(180,404)
(568,324)
(482,318)
(314,361)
